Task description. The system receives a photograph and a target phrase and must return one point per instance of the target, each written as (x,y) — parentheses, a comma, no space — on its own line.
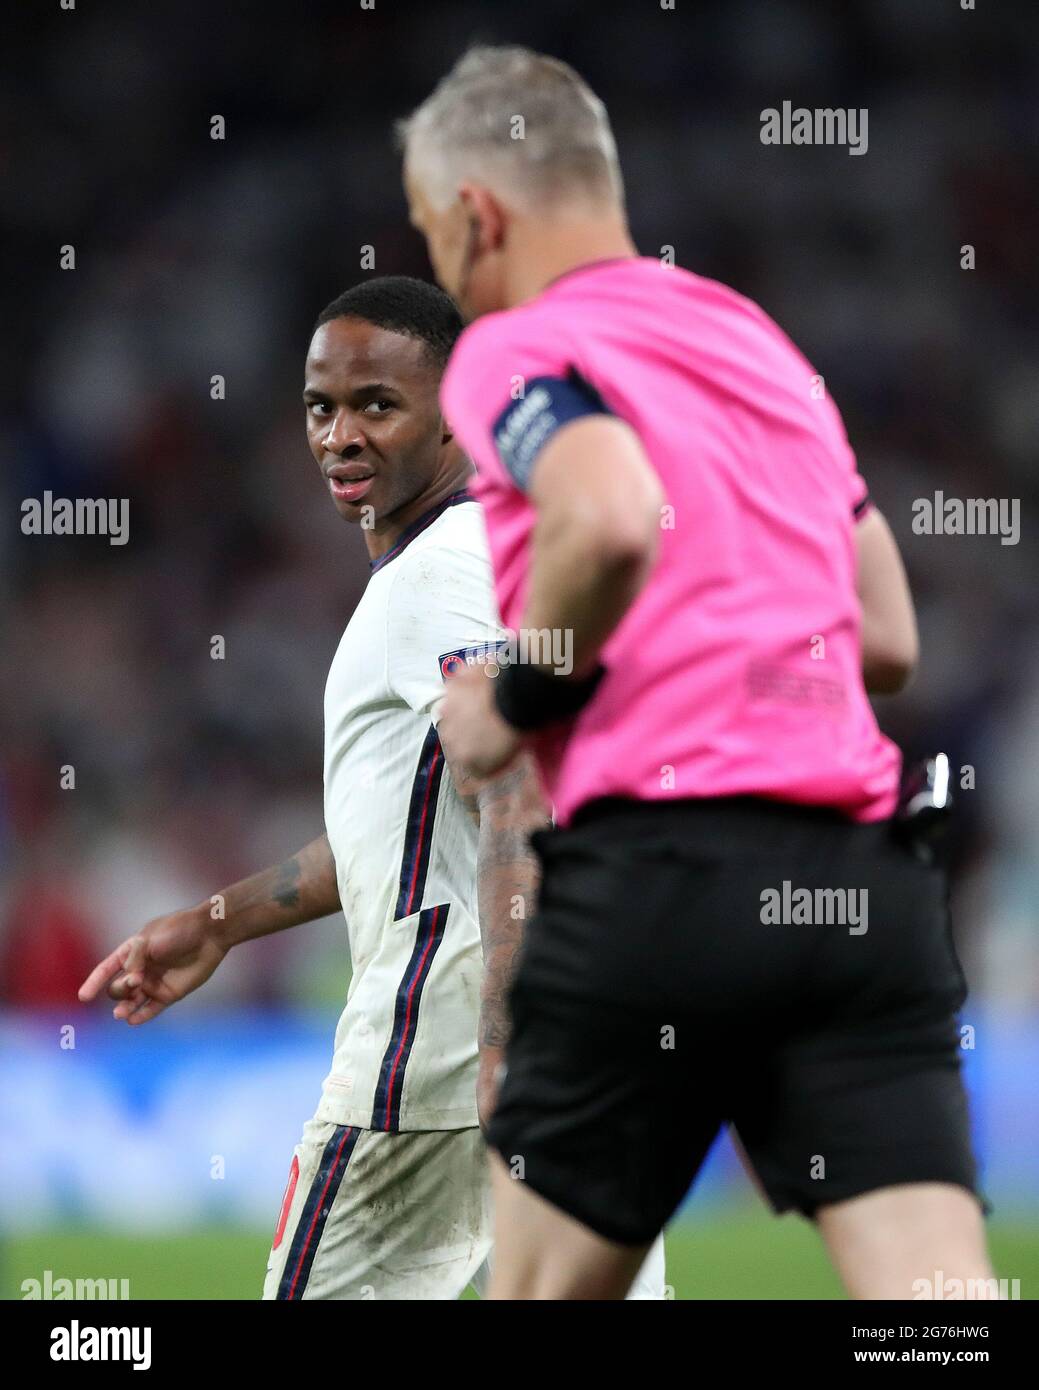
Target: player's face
(373,418)
(458,239)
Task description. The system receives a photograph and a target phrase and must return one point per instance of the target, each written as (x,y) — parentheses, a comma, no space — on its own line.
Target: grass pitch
(731,1253)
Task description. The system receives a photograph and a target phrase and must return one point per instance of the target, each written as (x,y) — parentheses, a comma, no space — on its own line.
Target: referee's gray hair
(561,150)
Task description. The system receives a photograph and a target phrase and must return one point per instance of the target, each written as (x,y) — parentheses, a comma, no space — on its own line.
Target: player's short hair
(561,151)
(403,305)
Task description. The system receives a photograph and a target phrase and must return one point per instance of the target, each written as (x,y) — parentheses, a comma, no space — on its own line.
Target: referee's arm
(598,502)
(890,645)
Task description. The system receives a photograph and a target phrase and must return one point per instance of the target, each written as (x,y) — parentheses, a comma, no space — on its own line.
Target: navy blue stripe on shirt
(430,933)
(312,1219)
(418,835)
(417,527)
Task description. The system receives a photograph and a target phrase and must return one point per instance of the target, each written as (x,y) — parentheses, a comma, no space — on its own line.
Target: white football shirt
(404,845)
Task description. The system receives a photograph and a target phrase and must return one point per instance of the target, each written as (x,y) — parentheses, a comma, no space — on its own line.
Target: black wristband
(528,697)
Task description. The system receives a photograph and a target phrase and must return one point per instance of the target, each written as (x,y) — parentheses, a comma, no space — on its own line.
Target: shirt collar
(426,519)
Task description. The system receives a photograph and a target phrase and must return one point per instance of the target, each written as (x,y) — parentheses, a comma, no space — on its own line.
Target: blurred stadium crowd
(197,257)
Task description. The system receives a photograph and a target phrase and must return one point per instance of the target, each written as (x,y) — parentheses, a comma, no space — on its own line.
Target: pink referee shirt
(738,669)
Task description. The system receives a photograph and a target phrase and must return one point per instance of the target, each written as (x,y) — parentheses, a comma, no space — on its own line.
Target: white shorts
(370,1215)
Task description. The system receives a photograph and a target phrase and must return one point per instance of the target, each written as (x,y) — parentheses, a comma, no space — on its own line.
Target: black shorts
(653,1004)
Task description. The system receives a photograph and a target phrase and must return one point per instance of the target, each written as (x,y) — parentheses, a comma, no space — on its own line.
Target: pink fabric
(738,669)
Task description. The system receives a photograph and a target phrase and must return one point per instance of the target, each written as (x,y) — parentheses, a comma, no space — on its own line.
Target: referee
(728,930)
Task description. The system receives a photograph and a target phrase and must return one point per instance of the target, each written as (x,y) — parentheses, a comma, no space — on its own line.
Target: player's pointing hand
(158,965)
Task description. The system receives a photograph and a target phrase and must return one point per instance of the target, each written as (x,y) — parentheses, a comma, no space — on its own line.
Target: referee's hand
(474,736)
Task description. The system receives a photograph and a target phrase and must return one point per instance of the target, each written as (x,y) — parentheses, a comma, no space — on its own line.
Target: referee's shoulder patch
(526,425)
(482,654)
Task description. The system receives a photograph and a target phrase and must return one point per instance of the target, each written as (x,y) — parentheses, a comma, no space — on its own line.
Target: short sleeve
(441,610)
(861,502)
(511,385)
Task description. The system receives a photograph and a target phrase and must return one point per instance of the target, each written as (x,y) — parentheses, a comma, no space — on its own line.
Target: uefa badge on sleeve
(490,655)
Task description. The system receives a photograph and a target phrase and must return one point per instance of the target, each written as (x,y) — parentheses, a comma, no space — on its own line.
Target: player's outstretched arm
(172,955)
(890,646)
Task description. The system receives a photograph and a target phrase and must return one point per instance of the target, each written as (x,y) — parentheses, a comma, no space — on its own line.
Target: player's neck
(542,252)
(384,535)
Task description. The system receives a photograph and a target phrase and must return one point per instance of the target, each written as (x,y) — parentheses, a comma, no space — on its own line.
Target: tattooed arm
(298,890)
(173,955)
(509,807)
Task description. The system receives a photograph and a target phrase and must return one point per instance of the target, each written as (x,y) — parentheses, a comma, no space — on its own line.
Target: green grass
(740,1253)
